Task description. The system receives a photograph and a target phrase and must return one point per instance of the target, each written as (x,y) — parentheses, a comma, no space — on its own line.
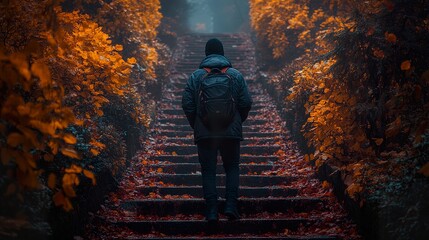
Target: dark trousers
(207,153)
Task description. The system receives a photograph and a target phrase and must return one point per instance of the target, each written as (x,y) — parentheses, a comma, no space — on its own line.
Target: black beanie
(214,46)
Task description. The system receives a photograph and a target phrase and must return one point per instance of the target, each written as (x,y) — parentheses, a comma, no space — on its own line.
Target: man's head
(214,46)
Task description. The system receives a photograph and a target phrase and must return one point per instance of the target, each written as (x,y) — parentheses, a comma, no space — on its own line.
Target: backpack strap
(223,70)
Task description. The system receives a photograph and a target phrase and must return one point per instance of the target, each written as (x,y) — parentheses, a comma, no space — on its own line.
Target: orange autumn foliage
(352,82)
(59,71)
(141,19)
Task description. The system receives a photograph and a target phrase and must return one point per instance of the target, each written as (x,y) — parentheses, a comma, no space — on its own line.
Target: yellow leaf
(90,175)
(378,141)
(24,110)
(14,139)
(41,70)
(70,139)
(94,152)
(58,199)
(70,153)
(159,170)
(52,179)
(119,47)
(326,184)
(425,170)
(48,157)
(67,205)
(54,146)
(73,169)
(43,127)
(174,153)
(69,191)
(354,189)
(95,143)
(132,60)
(406,65)
(79,122)
(307,158)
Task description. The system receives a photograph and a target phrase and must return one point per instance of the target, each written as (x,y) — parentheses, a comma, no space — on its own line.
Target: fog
(218,16)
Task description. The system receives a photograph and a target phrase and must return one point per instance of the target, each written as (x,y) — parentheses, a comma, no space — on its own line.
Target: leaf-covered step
(184,121)
(186,127)
(243,237)
(197,191)
(190,133)
(187,168)
(178,103)
(246,142)
(170,207)
(255,150)
(177,96)
(179,111)
(196,227)
(245,180)
(193,158)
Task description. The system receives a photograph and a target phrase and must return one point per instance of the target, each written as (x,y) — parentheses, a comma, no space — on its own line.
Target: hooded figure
(226,141)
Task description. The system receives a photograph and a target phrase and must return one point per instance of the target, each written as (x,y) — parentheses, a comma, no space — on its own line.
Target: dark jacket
(241,95)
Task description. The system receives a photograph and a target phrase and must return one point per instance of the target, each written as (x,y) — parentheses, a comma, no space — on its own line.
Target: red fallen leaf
(186,196)
(370,31)
(389,5)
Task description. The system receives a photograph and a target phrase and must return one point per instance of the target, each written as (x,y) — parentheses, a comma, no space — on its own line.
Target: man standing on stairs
(211,136)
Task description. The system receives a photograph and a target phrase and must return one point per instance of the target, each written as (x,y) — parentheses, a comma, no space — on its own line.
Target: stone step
(179,111)
(171,207)
(177,104)
(199,45)
(186,127)
(246,142)
(187,168)
(191,67)
(198,227)
(235,57)
(246,236)
(193,158)
(197,191)
(245,180)
(178,95)
(184,121)
(190,133)
(253,150)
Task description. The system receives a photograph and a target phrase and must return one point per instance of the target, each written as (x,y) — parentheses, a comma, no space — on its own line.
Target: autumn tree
(357,85)
(60,71)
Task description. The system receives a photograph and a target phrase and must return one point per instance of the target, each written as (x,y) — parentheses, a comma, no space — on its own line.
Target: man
(225,139)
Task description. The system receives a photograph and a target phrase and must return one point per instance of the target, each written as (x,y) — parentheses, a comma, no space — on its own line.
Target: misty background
(208,16)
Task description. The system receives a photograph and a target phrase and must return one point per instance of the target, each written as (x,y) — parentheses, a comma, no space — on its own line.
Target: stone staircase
(161,197)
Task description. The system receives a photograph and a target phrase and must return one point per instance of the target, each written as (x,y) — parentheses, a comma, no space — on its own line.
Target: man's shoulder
(198,72)
(234,72)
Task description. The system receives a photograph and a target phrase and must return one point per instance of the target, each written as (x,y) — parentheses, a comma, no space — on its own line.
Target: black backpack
(217,105)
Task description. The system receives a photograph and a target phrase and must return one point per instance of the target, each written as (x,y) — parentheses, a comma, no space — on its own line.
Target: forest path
(161,195)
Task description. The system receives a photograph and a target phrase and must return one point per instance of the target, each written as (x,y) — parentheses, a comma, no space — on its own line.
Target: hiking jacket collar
(215,61)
